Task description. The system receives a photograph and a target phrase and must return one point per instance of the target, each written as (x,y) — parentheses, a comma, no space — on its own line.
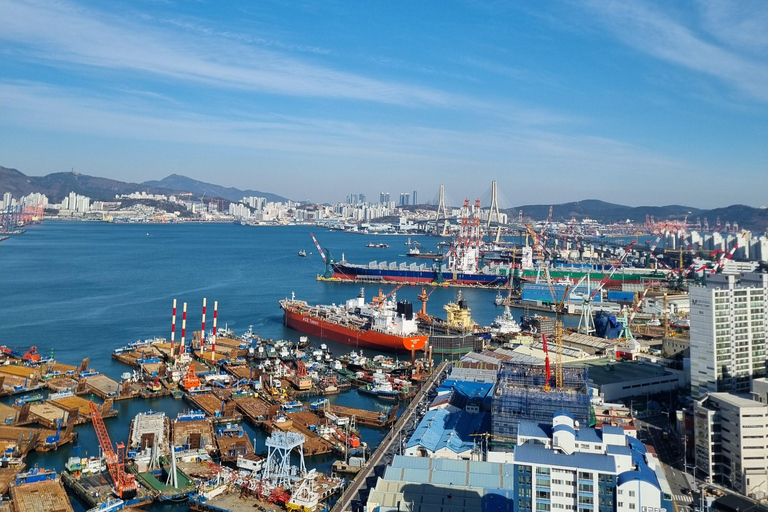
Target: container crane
(125,486)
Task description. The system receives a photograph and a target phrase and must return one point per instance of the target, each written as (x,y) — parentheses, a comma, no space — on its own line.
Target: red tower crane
(125,483)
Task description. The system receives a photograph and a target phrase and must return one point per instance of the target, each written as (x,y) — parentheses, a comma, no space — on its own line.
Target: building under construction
(520,395)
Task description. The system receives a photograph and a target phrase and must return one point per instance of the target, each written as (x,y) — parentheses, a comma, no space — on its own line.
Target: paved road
(390,445)
(670,453)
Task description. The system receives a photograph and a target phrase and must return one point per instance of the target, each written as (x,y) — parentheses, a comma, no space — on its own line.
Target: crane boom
(320,249)
(125,484)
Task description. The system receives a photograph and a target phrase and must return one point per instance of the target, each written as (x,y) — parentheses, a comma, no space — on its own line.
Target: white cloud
(511,147)
(58,33)
(652,32)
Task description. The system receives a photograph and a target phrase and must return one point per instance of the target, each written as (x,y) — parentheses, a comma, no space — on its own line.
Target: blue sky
(630,102)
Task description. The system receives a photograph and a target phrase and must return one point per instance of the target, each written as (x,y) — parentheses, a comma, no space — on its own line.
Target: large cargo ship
(494,275)
(383,324)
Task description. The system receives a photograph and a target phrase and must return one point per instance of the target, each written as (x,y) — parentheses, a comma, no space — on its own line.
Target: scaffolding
(520,395)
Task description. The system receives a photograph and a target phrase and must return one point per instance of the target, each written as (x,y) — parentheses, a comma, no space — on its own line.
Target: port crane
(125,483)
(586,323)
(327,259)
(381,299)
(424,297)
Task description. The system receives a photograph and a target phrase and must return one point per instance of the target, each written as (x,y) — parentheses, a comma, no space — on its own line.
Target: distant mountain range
(755,219)
(57,185)
(182,183)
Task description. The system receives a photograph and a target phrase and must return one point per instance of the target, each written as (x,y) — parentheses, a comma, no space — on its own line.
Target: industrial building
(617,380)
(520,395)
(448,434)
(728,333)
(730,435)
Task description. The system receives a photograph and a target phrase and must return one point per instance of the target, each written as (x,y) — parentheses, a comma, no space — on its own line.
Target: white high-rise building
(728,328)
(731,432)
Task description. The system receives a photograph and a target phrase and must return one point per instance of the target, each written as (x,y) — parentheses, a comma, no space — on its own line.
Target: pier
(358,490)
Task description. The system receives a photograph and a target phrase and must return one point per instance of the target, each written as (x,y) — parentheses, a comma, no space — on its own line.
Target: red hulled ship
(383,324)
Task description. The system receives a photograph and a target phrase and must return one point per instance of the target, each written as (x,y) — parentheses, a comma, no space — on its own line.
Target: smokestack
(173,327)
(213,340)
(202,335)
(183,328)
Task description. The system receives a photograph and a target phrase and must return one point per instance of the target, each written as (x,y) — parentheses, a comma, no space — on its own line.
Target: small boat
(190,416)
(318,404)
(499,300)
(303,253)
(28,399)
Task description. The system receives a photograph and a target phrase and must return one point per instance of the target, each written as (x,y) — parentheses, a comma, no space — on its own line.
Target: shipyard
(359,257)
(587,356)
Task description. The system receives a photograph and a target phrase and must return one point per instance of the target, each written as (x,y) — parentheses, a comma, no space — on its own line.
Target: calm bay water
(82,289)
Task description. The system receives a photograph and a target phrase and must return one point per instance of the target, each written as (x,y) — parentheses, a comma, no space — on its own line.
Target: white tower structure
(278,468)
(441,213)
(493,212)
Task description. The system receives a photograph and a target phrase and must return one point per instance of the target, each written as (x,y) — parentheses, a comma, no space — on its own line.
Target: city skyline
(637,104)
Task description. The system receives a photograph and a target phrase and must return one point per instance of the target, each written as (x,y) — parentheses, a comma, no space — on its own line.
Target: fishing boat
(380,388)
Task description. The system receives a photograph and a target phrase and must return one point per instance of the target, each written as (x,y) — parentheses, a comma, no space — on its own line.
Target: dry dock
(194,434)
(102,386)
(364,417)
(45,496)
(213,406)
(254,408)
(80,409)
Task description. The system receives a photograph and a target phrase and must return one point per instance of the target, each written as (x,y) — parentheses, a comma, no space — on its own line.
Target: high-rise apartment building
(731,432)
(728,316)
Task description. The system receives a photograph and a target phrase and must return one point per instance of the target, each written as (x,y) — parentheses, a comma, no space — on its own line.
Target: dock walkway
(358,490)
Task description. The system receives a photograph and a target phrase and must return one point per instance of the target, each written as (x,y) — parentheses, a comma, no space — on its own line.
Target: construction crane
(637,306)
(327,259)
(547,368)
(125,483)
(559,340)
(558,308)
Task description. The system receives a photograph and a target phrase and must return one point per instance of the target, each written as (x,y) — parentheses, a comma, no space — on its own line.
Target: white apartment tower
(731,433)
(728,317)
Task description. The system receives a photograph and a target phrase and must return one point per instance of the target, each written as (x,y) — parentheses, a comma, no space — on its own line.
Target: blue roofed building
(416,484)
(447,434)
(569,467)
